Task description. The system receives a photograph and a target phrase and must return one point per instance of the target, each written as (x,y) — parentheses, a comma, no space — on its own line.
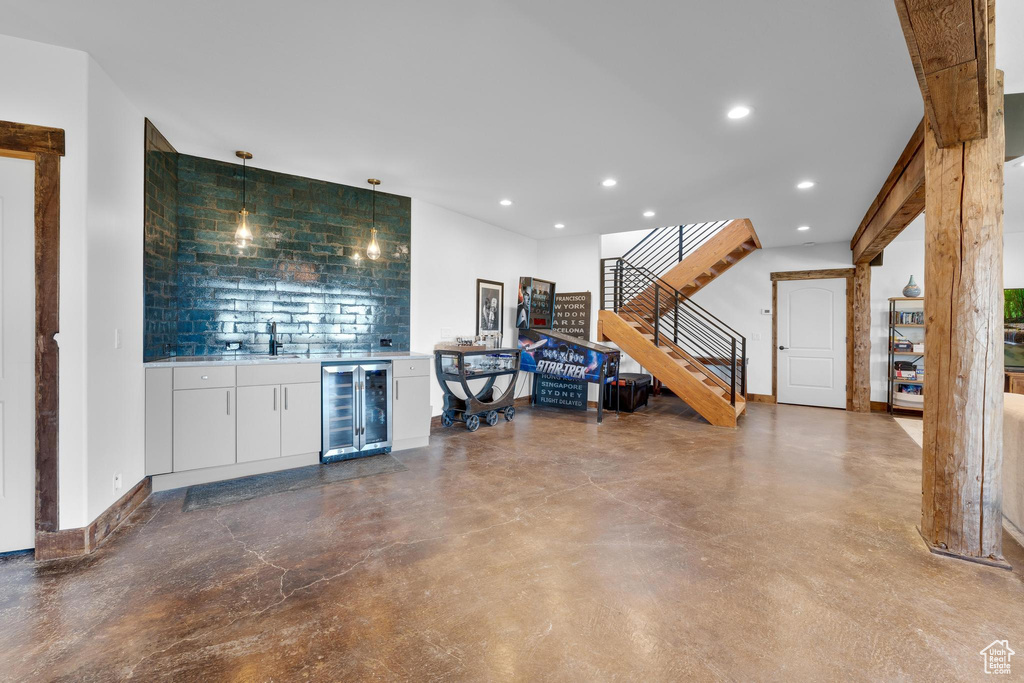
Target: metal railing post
(604,277)
(743,391)
(675,321)
(657,314)
(617,300)
(732,379)
(680,244)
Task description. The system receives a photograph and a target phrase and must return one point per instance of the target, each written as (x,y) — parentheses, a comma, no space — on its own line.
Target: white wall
(573,263)
(903,258)
(737,296)
(46,86)
(449,252)
(115,379)
(101,421)
(618,243)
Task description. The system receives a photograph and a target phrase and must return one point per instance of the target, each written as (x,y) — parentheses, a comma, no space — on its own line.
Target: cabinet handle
(286,398)
(396,389)
(228,396)
(275,398)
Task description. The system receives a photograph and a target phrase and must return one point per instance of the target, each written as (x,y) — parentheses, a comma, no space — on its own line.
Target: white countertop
(266,359)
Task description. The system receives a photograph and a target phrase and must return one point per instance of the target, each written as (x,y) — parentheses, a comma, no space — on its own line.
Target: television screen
(1013,328)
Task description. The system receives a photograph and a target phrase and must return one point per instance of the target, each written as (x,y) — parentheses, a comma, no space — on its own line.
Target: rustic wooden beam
(823,274)
(44,146)
(961,511)
(899,202)
(948,44)
(47,277)
(31,140)
(860,377)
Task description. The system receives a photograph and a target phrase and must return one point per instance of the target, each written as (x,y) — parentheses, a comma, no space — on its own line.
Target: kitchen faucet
(274,344)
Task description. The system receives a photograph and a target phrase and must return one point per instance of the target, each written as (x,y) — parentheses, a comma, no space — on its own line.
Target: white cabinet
(204,428)
(300,418)
(411,405)
(237,420)
(159,423)
(278,420)
(259,423)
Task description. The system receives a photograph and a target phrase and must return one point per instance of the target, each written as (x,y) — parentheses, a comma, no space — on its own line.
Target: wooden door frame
(825,274)
(44,146)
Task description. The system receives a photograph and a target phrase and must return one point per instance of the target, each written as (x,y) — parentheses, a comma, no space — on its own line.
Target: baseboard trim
(761,398)
(206,475)
(56,545)
(1015,532)
(879,407)
(406,444)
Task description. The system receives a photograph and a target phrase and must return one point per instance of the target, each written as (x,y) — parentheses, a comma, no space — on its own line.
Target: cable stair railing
(664,247)
(677,326)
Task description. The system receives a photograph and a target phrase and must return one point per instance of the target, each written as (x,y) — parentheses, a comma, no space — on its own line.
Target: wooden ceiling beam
(900,201)
(948,43)
(27,139)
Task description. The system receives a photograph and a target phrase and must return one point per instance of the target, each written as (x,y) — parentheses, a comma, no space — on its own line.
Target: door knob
(782,348)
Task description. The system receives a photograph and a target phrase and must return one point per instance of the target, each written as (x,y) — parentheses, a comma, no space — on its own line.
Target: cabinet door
(411,407)
(204,428)
(259,423)
(300,419)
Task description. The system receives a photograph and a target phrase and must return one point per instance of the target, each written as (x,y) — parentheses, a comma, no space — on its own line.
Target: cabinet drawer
(287,373)
(204,378)
(411,368)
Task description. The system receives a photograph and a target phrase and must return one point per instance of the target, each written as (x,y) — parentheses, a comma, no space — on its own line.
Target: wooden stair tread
(691,383)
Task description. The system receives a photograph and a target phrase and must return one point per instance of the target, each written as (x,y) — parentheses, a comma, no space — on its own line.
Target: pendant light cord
(244,174)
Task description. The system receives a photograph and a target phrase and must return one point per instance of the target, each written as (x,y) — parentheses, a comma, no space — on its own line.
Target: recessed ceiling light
(609,182)
(559,225)
(739,112)
(802,228)
(648,214)
(506,202)
(805,184)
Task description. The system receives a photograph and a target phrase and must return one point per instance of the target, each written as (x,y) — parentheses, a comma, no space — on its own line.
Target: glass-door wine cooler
(356,409)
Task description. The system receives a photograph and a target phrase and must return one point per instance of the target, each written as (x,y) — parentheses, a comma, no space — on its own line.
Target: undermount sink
(282,356)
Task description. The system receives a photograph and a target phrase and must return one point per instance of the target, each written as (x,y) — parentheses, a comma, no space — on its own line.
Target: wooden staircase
(700,359)
(722,251)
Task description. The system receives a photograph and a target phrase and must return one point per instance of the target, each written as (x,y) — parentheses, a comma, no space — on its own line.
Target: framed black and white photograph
(490,302)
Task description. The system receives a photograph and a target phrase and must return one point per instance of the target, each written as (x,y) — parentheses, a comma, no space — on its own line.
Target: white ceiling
(463,103)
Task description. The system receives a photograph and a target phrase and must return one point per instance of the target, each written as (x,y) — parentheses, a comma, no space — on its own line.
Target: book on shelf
(906,318)
(904,370)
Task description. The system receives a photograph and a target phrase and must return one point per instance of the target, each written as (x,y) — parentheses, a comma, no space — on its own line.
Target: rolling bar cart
(460,366)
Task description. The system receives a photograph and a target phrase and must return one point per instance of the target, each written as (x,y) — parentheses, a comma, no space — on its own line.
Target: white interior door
(812,342)
(17,358)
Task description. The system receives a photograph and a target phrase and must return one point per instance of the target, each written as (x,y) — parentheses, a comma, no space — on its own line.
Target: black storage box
(632,391)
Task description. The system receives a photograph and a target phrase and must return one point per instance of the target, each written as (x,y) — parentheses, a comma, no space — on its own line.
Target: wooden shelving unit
(898,305)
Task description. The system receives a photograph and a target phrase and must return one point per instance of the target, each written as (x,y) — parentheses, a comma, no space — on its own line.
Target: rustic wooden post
(961,511)
(861,380)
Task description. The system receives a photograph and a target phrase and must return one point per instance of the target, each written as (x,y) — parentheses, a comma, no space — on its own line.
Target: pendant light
(373,249)
(243,235)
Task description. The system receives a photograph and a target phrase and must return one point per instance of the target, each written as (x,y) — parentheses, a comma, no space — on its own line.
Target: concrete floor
(653,547)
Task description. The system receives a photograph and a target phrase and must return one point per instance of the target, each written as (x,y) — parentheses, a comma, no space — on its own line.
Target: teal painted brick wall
(160,266)
(300,271)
